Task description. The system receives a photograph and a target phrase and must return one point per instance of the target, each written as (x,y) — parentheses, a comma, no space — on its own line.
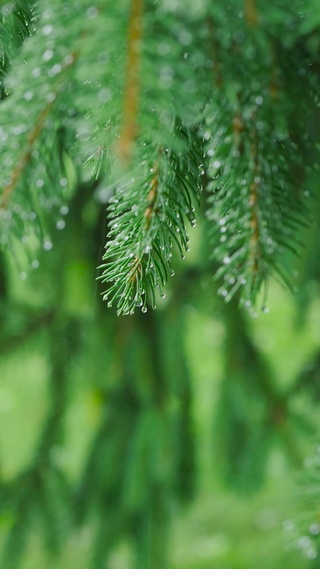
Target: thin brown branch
(148,215)
(32,138)
(238,128)
(254,203)
(152,198)
(274,88)
(251,13)
(135,269)
(26,156)
(132,86)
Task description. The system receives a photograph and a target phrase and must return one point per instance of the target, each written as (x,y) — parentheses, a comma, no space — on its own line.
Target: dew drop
(314,529)
(36,72)
(60,224)
(28,95)
(64,210)
(47,245)
(46,30)
(48,54)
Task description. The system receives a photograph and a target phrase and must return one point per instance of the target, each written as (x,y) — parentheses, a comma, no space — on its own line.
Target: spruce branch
(146,220)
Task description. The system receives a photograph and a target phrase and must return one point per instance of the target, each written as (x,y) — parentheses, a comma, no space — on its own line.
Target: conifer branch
(131,92)
(145,223)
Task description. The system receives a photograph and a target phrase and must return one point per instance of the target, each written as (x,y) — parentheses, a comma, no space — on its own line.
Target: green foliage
(163,96)
(160,112)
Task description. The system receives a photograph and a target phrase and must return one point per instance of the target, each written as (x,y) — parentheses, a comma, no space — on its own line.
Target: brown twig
(31,139)
(250,11)
(253,202)
(131,91)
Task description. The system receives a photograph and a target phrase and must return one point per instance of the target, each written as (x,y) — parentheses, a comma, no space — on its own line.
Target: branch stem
(132,86)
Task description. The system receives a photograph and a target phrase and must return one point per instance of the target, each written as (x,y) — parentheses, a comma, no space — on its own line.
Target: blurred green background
(173,439)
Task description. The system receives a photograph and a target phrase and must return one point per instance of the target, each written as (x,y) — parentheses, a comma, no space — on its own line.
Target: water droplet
(54,70)
(185,37)
(60,224)
(35,264)
(36,72)
(163,48)
(28,95)
(314,529)
(92,12)
(46,30)
(23,276)
(47,245)
(312,553)
(64,210)
(226,260)
(48,54)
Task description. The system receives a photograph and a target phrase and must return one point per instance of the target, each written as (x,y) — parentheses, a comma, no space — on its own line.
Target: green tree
(160,112)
